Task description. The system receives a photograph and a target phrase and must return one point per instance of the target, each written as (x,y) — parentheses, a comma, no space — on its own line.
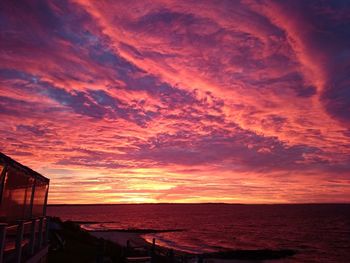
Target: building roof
(10,162)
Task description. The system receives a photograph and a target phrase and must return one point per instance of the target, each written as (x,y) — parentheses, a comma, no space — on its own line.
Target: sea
(317,232)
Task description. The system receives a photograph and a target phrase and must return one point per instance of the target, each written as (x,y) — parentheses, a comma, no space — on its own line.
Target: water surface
(320,233)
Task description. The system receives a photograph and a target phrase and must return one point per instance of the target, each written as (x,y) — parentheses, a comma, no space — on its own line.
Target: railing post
(40,237)
(19,239)
(128,244)
(2,239)
(153,250)
(32,198)
(45,202)
(47,229)
(32,237)
(3,176)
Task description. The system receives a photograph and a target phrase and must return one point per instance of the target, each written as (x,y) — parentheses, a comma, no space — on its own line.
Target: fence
(159,254)
(25,241)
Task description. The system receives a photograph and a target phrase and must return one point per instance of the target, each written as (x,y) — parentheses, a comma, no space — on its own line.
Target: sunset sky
(179,101)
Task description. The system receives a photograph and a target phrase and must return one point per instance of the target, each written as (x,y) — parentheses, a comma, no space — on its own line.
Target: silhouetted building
(23,200)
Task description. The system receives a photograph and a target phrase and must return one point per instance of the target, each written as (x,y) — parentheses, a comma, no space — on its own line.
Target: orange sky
(179,101)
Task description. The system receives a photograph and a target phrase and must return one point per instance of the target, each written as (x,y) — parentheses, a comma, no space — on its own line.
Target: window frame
(2,181)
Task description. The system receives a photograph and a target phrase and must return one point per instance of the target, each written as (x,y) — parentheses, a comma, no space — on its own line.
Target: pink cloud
(178,101)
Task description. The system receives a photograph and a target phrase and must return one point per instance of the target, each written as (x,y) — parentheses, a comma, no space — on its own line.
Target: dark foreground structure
(23,223)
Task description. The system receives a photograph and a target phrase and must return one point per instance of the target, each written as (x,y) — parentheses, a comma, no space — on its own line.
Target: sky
(179,101)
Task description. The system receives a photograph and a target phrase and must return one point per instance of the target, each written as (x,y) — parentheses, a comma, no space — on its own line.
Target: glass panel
(16,195)
(39,197)
(1,181)
(1,175)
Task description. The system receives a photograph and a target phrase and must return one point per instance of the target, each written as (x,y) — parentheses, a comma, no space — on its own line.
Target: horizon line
(205,203)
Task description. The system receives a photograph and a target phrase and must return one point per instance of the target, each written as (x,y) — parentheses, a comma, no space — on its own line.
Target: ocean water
(319,233)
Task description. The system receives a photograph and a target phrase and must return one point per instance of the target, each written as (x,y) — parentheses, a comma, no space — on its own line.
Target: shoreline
(123,243)
(133,237)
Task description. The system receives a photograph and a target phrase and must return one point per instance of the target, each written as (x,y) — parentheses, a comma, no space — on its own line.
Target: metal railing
(23,240)
(168,254)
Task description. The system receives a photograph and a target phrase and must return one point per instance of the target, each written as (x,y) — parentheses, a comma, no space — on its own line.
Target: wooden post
(127,247)
(45,202)
(32,198)
(171,256)
(19,239)
(3,175)
(40,233)
(32,237)
(153,250)
(47,230)
(128,244)
(2,239)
